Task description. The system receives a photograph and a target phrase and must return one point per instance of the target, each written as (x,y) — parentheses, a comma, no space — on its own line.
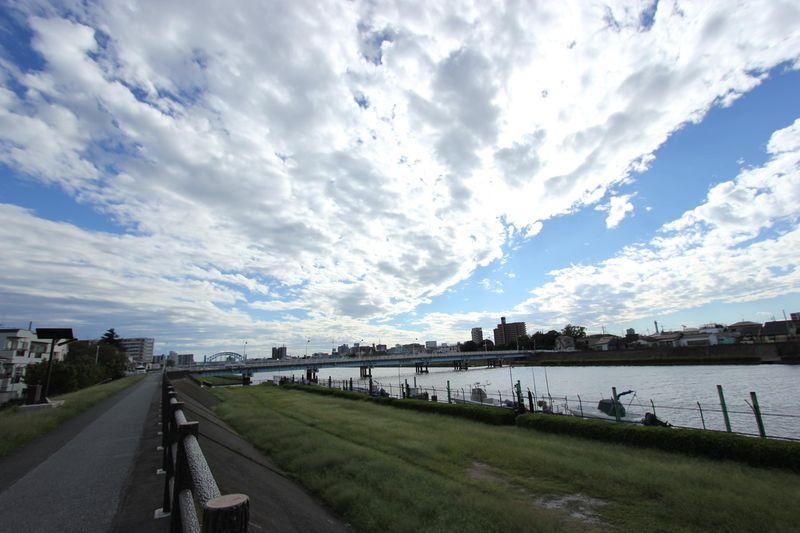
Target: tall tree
(576,332)
(110,337)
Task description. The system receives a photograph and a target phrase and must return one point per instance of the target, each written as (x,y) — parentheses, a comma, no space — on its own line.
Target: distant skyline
(207,174)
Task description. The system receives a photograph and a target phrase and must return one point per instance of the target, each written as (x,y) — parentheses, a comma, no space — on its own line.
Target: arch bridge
(228,357)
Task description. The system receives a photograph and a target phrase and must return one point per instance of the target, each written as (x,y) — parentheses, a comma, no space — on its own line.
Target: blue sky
(194,174)
(694,158)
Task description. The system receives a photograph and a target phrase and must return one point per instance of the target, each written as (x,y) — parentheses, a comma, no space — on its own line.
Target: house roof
(779,327)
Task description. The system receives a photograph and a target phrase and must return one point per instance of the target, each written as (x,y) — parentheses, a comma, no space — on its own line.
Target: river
(675,390)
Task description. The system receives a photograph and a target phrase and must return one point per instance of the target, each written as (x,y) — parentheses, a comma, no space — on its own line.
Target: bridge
(420,360)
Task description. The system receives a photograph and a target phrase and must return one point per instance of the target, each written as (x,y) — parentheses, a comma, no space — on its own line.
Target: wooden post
(227,514)
(702,418)
(448,392)
(530,400)
(724,408)
(408,390)
(616,402)
(329,382)
(351,383)
(757,412)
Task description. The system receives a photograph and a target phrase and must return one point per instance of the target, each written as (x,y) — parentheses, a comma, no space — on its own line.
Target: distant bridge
(373,361)
(226,357)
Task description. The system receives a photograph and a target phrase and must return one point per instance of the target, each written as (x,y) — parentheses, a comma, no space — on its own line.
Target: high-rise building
(430,345)
(477,335)
(278,352)
(140,349)
(508,332)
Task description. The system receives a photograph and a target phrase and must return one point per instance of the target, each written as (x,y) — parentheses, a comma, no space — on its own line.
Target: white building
(18,349)
(138,350)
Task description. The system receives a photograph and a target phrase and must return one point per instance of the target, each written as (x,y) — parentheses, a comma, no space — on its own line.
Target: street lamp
(307,341)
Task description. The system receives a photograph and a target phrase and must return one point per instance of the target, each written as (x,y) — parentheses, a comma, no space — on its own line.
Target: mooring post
(724,408)
(351,383)
(616,402)
(448,392)
(415,382)
(702,418)
(757,412)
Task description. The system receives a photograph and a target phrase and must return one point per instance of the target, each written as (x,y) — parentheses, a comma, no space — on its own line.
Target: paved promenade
(78,486)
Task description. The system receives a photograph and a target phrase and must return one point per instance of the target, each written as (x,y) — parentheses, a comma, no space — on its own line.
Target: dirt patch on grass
(578,506)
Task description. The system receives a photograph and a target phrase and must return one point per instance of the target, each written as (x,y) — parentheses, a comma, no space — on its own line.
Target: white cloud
(346,159)
(492,285)
(739,245)
(617,208)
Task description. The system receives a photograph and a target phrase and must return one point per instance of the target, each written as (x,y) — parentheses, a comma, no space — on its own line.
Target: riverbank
(19,426)
(385,469)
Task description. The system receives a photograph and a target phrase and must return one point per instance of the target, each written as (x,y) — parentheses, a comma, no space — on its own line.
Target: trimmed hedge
(489,415)
(714,444)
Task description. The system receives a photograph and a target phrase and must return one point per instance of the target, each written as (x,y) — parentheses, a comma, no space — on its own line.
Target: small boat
(613,407)
(607,407)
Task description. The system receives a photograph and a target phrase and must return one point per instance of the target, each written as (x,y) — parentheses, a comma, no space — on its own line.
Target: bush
(489,415)
(714,444)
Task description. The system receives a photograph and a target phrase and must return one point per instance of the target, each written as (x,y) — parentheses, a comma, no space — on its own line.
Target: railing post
(757,412)
(227,514)
(530,400)
(182,479)
(702,418)
(448,392)
(724,409)
(616,402)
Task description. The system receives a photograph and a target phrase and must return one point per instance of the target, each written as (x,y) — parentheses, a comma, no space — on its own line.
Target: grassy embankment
(385,469)
(217,381)
(18,427)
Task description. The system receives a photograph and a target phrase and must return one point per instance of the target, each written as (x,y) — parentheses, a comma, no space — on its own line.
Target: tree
(469,346)
(110,337)
(63,377)
(576,332)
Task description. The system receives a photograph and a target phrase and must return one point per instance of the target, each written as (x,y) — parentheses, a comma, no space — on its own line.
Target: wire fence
(751,421)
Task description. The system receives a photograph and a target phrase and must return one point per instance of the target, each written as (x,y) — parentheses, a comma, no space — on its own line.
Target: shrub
(489,415)
(714,444)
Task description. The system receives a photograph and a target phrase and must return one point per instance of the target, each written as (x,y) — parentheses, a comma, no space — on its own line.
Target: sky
(310,174)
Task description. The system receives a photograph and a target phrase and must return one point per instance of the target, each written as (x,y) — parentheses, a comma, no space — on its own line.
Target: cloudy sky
(208,173)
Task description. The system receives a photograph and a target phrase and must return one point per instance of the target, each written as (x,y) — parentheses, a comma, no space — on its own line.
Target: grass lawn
(20,427)
(233,379)
(386,469)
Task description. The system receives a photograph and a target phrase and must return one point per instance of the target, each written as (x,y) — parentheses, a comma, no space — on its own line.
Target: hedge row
(714,444)
(489,415)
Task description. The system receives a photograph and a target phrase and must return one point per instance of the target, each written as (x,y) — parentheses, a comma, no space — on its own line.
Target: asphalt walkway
(79,486)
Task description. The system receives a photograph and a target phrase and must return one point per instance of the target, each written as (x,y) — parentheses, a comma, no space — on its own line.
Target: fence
(711,417)
(189,483)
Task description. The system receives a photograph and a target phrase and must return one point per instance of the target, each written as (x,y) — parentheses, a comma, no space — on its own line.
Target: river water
(674,390)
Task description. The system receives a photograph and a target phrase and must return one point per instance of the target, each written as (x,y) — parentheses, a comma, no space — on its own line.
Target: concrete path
(79,487)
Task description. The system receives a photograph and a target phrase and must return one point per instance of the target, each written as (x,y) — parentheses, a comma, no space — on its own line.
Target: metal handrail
(189,485)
